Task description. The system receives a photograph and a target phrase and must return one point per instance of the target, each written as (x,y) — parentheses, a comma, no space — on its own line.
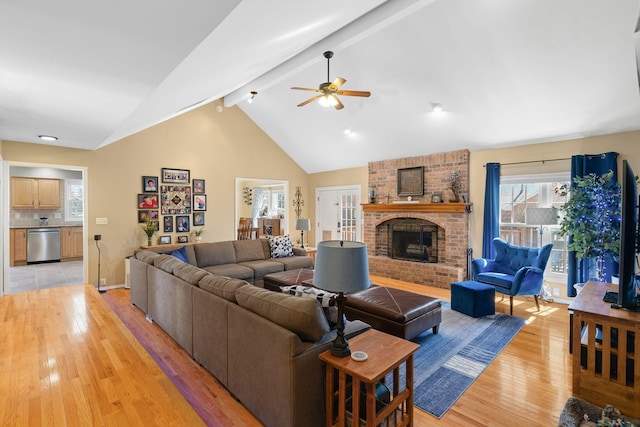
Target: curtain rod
(531,161)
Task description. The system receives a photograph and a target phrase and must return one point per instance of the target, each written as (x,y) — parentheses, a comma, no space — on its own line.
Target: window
(271,201)
(517,193)
(74,200)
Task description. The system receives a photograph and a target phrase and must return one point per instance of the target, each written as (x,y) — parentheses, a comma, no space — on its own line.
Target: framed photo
(436,197)
(182,224)
(168,224)
(176,176)
(199,202)
(175,199)
(198,186)
(198,219)
(149,184)
(147,201)
(143,215)
(164,240)
(183,239)
(411,181)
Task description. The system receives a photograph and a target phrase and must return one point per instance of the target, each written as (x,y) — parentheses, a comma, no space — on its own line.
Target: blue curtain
(491,228)
(582,165)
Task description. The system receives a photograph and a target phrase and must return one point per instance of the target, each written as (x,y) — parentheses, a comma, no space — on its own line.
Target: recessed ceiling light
(437,107)
(48,137)
(348,131)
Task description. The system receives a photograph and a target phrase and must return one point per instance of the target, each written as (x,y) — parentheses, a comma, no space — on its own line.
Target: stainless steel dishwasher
(43,244)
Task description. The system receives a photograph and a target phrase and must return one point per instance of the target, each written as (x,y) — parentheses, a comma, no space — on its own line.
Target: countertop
(43,226)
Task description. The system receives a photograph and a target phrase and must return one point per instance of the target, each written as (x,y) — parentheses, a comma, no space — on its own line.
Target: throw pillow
(280,246)
(181,254)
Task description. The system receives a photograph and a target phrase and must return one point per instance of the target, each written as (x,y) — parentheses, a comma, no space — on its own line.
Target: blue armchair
(516,270)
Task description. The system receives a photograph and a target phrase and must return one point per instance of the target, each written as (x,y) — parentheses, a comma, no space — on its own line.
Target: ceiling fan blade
(313,98)
(335,85)
(306,88)
(339,105)
(354,93)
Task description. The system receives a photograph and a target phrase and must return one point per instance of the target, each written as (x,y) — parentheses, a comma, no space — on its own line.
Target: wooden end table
(386,354)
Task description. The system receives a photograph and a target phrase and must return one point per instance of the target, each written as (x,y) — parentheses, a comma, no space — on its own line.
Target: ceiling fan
(329,90)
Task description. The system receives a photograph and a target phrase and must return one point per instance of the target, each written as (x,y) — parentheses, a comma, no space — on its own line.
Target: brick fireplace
(434,237)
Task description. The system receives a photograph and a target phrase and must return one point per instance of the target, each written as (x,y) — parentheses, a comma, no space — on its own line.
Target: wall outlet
(35,216)
(17,215)
(103,281)
(556,292)
(57,215)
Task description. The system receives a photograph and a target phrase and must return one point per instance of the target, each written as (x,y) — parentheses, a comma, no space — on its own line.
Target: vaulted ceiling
(505,72)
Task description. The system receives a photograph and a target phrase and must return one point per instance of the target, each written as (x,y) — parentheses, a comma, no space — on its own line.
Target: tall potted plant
(591,218)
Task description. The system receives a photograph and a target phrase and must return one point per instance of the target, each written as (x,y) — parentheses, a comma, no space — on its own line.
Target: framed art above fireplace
(411,181)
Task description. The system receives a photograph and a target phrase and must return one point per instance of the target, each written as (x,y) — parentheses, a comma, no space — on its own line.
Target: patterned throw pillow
(280,246)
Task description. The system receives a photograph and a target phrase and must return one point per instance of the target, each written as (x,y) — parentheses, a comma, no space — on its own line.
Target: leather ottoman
(394,311)
(275,281)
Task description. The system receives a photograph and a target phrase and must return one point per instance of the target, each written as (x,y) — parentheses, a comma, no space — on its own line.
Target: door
(338,213)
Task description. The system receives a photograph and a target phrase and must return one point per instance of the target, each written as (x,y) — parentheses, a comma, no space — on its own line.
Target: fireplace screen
(413,240)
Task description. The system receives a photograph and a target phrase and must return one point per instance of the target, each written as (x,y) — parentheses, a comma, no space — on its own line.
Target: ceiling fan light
(328,101)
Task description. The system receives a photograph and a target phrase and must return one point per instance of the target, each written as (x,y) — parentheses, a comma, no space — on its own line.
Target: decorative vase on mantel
(456,196)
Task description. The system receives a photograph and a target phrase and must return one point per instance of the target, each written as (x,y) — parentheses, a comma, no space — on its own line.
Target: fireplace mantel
(418,207)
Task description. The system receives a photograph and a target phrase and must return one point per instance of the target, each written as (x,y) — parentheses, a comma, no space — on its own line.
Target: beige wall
(338,178)
(216,147)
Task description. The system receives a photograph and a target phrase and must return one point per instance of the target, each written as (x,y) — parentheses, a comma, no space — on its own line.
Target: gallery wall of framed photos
(174,204)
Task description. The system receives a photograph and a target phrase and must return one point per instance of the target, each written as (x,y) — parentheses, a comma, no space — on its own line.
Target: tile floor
(46,275)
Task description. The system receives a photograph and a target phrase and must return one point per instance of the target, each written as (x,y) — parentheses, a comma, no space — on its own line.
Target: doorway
(265,201)
(68,216)
(338,213)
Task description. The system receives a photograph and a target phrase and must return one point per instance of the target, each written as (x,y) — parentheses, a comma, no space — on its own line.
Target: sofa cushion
(223,287)
(216,253)
(263,267)
(181,254)
(249,250)
(303,316)
(167,262)
(295,262)
(189,273)
(235,271)
(280,246)
(147,256)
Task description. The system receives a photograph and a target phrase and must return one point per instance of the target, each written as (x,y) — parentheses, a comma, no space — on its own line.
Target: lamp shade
(341,266)
(303,224)
(540,216)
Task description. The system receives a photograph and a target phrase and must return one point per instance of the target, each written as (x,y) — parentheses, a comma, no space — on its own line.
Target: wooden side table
(311,251)
(386,354)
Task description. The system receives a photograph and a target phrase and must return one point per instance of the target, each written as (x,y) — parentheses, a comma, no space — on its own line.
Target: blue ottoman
(473,298)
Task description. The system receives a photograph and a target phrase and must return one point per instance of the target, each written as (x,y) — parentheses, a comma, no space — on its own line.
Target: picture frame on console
(164,240)
(411,181)
(183,239)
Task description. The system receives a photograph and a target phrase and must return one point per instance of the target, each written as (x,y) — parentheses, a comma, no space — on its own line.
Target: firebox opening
(413,240)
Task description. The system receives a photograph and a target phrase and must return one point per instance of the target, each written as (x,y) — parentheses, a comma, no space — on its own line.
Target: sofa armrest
(481,265)
(527,281)
(299,251)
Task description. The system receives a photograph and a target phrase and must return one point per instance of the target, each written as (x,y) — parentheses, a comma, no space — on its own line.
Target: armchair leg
(511,305)
(537,302)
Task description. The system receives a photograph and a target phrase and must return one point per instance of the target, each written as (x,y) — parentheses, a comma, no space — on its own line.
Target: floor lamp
(97,238)
(541,217)
(341,267)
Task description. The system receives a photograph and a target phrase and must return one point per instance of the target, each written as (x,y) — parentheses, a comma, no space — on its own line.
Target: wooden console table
(386,354)
(606,351)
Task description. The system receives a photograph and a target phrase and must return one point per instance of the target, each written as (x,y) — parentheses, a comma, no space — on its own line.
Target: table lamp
(341,266)
(303,224)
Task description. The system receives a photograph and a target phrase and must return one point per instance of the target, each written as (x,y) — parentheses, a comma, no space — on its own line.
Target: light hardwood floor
(66,359)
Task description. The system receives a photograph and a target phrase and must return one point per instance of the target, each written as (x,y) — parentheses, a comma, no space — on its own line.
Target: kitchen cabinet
(71,243)
(18,246)
(35,193)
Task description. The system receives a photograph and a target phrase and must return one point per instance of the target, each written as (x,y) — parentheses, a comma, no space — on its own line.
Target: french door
(338,213)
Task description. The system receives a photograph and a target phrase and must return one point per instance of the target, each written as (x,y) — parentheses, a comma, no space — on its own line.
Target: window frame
(68,216)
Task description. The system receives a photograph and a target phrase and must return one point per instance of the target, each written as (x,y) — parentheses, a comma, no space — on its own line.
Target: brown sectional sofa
(261,345)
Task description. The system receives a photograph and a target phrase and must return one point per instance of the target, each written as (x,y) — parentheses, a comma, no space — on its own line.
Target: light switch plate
(17,215)
(101,221)
(57,215)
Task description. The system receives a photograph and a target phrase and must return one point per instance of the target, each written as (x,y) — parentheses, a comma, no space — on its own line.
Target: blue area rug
(447,363)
